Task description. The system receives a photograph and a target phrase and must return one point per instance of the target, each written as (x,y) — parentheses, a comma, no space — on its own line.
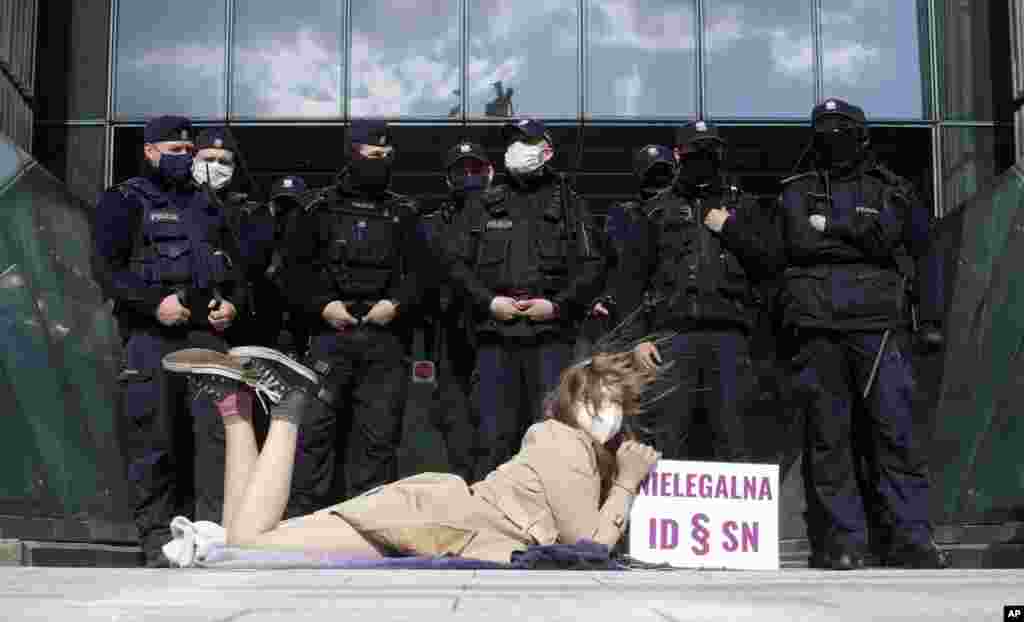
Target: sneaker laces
(207,384)
(267,383)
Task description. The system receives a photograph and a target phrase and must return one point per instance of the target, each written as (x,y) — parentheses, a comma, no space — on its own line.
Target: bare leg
(256,519)
(240,450)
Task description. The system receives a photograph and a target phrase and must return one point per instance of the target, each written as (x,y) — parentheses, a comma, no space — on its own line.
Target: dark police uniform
(358,247)
(844,298)
(448,339)
(152,240)
(697,285)
(529,240)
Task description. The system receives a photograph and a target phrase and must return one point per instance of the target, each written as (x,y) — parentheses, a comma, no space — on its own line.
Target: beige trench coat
(549,492)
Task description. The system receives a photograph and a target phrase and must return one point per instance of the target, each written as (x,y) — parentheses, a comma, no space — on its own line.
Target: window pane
(288,68)
(642,58)
(975,64)
(523,58)
(170,58)
(759,59)
(405,58)
(872,56)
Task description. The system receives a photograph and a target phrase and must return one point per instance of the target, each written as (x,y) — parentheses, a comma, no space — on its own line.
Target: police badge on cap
(652,151)
(830,105)
(465,148)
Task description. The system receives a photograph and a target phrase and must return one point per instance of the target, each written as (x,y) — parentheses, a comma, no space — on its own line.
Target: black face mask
(659,177)
(700,167)
(371,173)
(840,148)
(464,184)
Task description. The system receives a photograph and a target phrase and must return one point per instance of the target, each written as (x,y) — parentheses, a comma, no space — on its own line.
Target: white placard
(708,515)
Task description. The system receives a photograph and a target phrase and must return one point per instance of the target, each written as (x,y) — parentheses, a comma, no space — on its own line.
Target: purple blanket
(583,555)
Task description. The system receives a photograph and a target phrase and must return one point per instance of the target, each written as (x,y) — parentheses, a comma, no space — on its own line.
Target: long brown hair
(585,383)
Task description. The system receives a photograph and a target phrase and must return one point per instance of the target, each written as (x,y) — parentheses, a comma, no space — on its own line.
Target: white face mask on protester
(522,158)
(603,423)
(218,175)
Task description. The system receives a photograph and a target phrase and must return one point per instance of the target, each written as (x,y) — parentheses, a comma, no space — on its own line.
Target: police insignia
(218,143)
(702,126)
(652,151)
(287,183)
(465,148)
(500,223)
(359,230)
(383,140)
(830,105)
(164,217)
(184,134)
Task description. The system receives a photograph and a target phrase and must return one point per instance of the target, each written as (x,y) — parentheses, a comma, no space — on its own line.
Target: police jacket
(150,241)
(849,276)
(356,247)
(533,240)
(254,227)
(676,274)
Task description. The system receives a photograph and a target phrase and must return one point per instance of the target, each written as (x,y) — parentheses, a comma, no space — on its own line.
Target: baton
(878,360)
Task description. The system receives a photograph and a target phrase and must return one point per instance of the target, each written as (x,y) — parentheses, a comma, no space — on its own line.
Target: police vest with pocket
(176,246)
(531,254)
(360,246)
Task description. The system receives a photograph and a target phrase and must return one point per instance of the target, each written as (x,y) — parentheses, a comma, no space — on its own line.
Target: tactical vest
(542,267)
(173,248)
(359,248)
(696,279)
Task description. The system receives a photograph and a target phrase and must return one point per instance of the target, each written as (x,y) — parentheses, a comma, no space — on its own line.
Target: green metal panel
(58,451)
(976,434)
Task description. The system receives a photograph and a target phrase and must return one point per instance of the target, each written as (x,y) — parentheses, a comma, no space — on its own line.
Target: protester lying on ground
(575,477)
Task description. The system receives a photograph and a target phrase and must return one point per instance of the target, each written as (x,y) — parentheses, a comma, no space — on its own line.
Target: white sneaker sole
(205,368)
(258,352)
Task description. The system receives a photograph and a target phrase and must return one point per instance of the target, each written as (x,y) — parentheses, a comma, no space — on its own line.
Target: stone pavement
(123,595)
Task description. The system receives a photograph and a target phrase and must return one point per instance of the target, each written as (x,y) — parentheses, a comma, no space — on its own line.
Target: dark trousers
(368,373)
(514,376)
(175,460)
(711,371)
(830,372)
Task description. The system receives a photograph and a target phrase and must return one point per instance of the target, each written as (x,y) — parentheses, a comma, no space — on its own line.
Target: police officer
(286,197)
(526,258)
(447,339)
(845,225)
(356,257)
(252,225)
(690,264)
(163,253)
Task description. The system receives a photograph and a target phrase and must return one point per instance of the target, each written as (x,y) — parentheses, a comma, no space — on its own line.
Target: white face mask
(602,424)
(219,175)
(522,158)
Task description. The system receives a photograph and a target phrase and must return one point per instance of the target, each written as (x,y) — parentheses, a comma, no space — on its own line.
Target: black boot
(918,556)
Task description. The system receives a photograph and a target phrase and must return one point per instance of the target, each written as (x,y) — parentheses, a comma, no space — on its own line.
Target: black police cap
(215,138)
(839,107)
(290,186)
(168,128)
(697,131)
(646,157)
(530,128)
(369,132)
(463,150)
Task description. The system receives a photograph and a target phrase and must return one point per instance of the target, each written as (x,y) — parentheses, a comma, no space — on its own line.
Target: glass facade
(468,59)
(934,64)
(290,68)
